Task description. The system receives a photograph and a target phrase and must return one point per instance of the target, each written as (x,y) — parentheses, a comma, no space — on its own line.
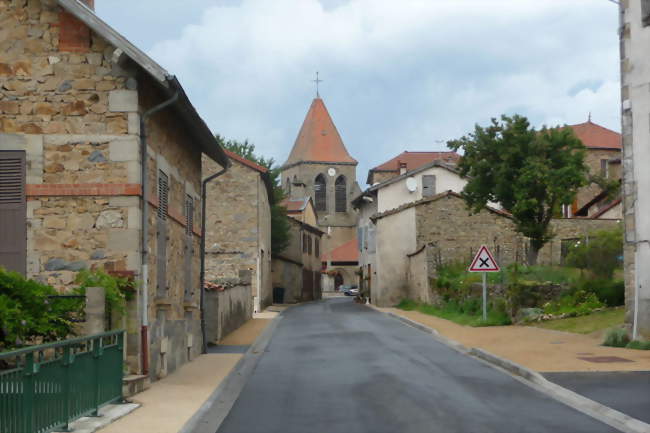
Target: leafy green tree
(530,173)
(279,219)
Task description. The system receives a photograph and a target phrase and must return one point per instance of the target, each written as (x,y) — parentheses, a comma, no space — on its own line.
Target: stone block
(124,150)
(32,205)
(54,222)
(123,100)
(12,142)
(97,156)
(95,310)
(133,172)
(109,219)
(124,240)
(34,145)
(134,123)
(134,218)
(124,201)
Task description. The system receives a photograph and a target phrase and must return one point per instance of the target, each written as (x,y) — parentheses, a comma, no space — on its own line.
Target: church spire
(318,139)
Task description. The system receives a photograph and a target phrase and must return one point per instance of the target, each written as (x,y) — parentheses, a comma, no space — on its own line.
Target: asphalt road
(335,366)
(625,391)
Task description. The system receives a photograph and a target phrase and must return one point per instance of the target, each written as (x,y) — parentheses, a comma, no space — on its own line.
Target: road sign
(484,262)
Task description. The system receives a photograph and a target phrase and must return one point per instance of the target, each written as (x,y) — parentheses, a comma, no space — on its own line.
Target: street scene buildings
(145,256)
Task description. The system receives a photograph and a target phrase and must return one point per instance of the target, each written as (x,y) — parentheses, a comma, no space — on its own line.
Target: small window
(645,12)
(428,185)
(320,193)
(604,168)
(317,247)
(340,197)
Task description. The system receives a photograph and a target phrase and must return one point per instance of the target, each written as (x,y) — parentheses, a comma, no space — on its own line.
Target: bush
(118,290)
(600,254)
(576,304)
(30,310)
(638,345)
(610,292)
(616,337)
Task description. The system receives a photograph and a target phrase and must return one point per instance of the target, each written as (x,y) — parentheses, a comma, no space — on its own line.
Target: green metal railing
(50,385)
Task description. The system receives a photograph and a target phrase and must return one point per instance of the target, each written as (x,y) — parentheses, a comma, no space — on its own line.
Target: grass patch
(638,345)
(586,324)
(468,313)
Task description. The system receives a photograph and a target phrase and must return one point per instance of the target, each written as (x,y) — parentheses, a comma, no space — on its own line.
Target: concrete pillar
(95,310)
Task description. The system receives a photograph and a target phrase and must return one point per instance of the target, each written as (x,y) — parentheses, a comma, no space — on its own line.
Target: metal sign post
(484,262)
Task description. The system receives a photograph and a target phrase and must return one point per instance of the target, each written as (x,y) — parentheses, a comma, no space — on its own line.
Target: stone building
(238,234)
(320,165)
(80,105)
(415,238)
(635,94)
(603,157)
(297,270)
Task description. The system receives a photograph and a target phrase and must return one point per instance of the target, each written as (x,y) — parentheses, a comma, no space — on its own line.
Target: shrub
(601,253)
(638,345)
(118,290)
(610,292)
(616,337)
(30,310)
(576,304)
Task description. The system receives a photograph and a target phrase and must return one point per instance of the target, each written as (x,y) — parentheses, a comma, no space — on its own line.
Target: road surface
(334,366)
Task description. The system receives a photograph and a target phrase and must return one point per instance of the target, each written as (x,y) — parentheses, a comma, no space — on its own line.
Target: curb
(533,379)
(214,410)
(107,415)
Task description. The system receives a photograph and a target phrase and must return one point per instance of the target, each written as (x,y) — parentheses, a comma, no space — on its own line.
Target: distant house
(604,153)
(238,235)
(297,269)
(80,107)
(408,161)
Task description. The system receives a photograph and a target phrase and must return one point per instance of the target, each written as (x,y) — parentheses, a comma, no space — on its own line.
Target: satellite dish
(411,184)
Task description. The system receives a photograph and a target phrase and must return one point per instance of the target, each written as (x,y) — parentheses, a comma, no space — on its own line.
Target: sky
(397,75)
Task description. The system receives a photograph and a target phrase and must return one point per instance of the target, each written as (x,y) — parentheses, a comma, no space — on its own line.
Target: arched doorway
(338,281)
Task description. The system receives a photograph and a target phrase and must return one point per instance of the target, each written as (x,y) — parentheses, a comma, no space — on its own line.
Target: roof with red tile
(246,162)
(318,139)
(295,205)
(348,252)
(414,160)
(597,137)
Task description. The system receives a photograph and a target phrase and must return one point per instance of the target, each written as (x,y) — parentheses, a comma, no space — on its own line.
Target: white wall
(396,194)
(395,239)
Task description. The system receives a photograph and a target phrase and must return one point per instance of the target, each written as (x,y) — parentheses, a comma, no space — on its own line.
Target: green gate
(50,385)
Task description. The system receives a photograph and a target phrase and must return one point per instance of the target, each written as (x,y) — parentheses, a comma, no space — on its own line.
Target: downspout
(202,288)
(144,333)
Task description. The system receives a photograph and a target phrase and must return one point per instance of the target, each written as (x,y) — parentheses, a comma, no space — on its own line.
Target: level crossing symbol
(483,261)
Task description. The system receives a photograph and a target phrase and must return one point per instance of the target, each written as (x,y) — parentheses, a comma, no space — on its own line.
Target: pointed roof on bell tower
(318,139)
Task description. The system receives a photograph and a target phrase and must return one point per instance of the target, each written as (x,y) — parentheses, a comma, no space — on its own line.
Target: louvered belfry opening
(320,193)
(161,235)
(13,212)
(189,246)
(340,198)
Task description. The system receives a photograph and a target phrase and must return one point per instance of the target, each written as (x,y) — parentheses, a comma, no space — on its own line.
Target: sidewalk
(169,403)
(539,349)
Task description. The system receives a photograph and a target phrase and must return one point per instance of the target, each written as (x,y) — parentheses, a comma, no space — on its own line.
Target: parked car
(349,290)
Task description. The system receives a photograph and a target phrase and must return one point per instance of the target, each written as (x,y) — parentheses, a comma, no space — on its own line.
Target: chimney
(402,167)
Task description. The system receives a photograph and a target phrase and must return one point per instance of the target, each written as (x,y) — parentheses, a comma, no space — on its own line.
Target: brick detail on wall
(83,189)
(74,35)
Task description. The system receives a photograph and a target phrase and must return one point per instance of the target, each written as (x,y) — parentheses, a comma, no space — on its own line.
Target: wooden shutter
(340,196)
(189,246)
(428,185)
(161,234)
(13,212)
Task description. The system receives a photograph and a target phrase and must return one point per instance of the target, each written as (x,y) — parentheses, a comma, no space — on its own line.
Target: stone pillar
(95,310)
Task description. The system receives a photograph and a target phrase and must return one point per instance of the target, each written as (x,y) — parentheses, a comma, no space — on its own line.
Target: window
(604,168)
(308,244)
(189,215)
(13,211)
(320,193)
(340,198)
(288,187)
(645,12)
(163,195)
(317,247)
(304,243)
(428,185)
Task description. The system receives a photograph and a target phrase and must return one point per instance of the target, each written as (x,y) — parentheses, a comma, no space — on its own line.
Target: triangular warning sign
(484,262)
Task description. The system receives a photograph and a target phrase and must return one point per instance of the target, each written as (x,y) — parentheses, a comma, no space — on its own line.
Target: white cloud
(399,75)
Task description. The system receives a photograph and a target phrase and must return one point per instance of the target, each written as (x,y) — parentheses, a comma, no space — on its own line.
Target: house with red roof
(237,243)
(408,161)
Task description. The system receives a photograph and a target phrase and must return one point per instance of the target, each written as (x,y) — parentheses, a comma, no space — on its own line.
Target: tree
(530,173)
(279,219)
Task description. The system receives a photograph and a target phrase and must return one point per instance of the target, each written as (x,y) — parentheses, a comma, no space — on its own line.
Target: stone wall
(226,311)
(288,275)
(418,277)
(592,159)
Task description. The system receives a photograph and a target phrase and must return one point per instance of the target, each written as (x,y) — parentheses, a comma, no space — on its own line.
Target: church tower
(319,166)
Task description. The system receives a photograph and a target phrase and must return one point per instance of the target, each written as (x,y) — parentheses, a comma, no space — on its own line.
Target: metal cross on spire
(317,81)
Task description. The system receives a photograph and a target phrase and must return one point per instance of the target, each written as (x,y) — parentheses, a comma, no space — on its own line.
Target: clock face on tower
(331,171)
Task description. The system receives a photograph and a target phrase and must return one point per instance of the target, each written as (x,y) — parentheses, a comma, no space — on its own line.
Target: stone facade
(73,104)
(414,240)
(238,229)
(593,160)
(635,94)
